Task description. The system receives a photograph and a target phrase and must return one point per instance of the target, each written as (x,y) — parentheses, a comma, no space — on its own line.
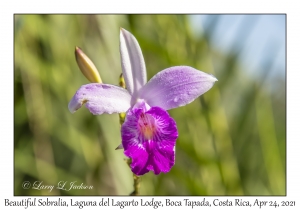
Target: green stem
(136,181)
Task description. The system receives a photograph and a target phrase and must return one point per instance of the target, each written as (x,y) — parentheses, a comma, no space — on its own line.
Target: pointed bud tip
(78,49)
(86,66)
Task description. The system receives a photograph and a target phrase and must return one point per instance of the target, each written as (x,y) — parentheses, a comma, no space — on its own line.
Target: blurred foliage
(232,140)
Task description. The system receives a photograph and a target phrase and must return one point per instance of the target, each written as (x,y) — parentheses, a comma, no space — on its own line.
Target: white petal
(132,61)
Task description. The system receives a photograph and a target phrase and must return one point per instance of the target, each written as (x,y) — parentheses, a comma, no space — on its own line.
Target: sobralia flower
(148,133)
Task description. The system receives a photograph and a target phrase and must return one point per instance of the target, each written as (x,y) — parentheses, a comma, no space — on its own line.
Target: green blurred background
(232,140)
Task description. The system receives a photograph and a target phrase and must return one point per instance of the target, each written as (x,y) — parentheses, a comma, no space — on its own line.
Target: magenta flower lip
(148,138)
(148,134)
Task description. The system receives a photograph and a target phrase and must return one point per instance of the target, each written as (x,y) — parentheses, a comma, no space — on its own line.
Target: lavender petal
(176,86)
(101,98)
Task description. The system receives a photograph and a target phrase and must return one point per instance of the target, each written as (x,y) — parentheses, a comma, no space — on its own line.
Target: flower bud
(87,67)
(122,81)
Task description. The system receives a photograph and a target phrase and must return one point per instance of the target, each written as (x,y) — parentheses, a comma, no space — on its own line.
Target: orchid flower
(148,133)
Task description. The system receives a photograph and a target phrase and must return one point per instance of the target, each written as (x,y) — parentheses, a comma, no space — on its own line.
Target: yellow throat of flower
(146,125)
